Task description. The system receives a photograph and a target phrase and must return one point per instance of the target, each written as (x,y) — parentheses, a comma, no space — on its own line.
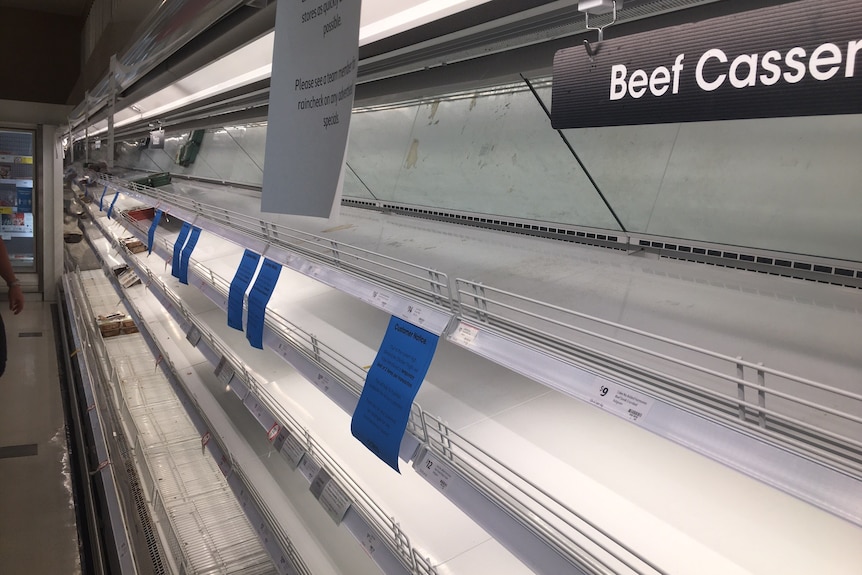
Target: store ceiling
(64,7)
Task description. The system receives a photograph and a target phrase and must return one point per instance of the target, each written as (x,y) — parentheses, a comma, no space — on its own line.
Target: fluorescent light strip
(413,17)
(261,50)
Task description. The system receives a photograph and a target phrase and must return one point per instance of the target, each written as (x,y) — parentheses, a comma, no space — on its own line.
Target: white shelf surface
(432,523)
(735,320)
(657,496)
(323,547)
(801,327)
(214,534)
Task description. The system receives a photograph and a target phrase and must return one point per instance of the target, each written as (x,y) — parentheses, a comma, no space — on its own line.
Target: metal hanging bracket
(591,52)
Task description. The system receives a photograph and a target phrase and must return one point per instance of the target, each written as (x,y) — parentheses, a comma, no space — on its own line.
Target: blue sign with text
(241,281)
(258,297)
(187,254)
(151,233)
(178,248)
(392,383)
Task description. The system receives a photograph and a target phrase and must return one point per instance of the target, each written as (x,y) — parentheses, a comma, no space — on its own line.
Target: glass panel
(784,184)
(492,153)
(378,146)
(354,187)
(17,198)
(234,153)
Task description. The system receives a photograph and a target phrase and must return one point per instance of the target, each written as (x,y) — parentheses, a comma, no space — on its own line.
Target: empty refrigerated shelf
(549,449)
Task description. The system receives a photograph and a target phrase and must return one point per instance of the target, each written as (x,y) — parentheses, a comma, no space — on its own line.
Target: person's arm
(16,296)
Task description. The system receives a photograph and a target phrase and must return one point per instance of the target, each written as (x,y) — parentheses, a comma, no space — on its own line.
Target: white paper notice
(311,99)
(625,402)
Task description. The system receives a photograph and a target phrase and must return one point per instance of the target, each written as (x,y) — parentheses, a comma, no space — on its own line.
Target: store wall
(785,184)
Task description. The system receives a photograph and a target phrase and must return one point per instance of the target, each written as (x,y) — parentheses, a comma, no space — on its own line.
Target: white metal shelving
(202,522)
(256,484)
(791,413)
(467,450)
(528,524)
(366,518)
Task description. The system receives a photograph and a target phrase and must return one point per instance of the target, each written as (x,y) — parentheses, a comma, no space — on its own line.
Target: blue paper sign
(111,207)
(392,383)
(178,248)
(151,234)
(102,199)
(241,281)
(187,254)
(258,297)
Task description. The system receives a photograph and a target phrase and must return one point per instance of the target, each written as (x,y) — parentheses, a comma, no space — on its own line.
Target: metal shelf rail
(535,521)
(388,283)
(285,555)
(202,524)
(86,356)
(248,388)
(527,336)
(681,374)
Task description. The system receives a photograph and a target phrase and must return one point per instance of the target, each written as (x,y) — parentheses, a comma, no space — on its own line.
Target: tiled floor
(37,517)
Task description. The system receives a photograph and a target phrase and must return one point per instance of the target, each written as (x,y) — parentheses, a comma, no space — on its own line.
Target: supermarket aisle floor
(37,516)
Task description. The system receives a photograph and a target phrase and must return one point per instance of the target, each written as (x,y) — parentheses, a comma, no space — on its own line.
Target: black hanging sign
(798,59)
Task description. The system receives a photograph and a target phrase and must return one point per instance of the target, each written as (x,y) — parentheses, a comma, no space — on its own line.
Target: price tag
(380,298)
(335,501)
(282,349)
(292,450)
(415,314)
(435,472)
(194,336)
(370,542)
(278,442)
(224,371)
(319,482)
(243,498)
(273,431)
(257,409)
(283,566)
(309,468)
(224,466)
(323,382)
(622,401)
(464,335)
(239,388)
(205,439)
(310,269)
(266,534)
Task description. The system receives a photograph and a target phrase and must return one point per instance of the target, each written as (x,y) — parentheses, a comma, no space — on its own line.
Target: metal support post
(761,395)
(71,145)
(740,388)
(86,127)
(112,101)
